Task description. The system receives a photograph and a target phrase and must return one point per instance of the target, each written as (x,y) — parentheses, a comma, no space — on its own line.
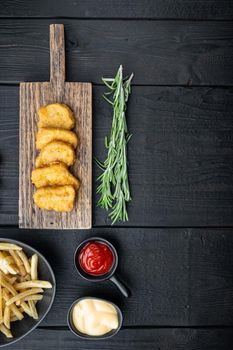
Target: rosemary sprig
(113,185)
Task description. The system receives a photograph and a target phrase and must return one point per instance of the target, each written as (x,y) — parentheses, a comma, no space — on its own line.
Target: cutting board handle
(57,54)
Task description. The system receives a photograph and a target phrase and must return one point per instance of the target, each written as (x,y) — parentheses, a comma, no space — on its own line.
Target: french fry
(22,278)
(5,294)
(35,297)
(34,267)
(26,309)
(18,262)
(33,309)
(9,246)
(3,266)
(14,318)
(10,279)
(6,317)
(24,259)
(19,296)
(12,270)
(6,264)
(5,331)
(33,284)
(8,286)
(27,277)
(20,288)
(21,309)
(4,269)
(1,313)
(16,312)
(22,270)
(9,260)
(16,258)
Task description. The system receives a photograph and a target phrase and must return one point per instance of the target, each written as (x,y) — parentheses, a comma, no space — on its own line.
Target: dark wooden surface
(183,276)
(132,339)
(140,9)
(158,52)
(176,251)
(180,155)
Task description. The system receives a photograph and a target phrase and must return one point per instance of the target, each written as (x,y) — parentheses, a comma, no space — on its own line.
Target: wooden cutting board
(78,96)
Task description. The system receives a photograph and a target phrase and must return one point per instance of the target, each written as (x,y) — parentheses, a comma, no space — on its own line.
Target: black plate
(20,329)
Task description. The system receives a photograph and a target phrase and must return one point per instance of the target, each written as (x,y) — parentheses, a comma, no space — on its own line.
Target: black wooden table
(176,251)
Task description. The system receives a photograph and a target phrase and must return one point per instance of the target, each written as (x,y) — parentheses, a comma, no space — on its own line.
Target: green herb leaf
(113,187)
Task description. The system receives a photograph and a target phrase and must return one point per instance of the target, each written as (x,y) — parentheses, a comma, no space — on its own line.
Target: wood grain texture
(57,57)
(158,52)
(177,277)
(132,339)
(159,9)
(180,155)
(78,97)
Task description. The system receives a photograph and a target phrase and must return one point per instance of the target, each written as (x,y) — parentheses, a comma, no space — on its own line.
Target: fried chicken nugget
(47,135)
(54,175)
(56,152)
(58,198)
(56,115)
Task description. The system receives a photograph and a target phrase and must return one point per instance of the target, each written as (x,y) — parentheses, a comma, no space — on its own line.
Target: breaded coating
(54,175)
(56,152)
(47,135)
(58,198)
(56,115)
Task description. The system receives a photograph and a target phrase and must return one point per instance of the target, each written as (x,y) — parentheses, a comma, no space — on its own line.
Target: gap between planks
(66,328)
(13,226)
(155,19)
(16,83)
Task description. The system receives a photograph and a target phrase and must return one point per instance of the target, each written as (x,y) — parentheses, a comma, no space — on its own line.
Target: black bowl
(95,278)
(89,337)
(20,329)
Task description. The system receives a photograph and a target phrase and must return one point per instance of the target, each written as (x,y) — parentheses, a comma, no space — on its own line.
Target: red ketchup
(96,258)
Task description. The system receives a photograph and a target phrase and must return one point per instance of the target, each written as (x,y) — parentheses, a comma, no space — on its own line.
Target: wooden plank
(9,154)
(180,155)
(158,52)
(159,9)
(177,277)
(133,339)
(78,97)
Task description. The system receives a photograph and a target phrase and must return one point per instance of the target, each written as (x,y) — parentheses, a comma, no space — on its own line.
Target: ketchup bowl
(96,260)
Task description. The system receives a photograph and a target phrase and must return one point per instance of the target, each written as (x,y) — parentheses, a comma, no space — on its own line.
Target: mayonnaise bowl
(71,322)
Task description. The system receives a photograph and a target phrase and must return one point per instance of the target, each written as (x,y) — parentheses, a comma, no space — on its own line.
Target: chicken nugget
(56,115)
(58,198)
(56,152)
(54,175)
(47,135)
